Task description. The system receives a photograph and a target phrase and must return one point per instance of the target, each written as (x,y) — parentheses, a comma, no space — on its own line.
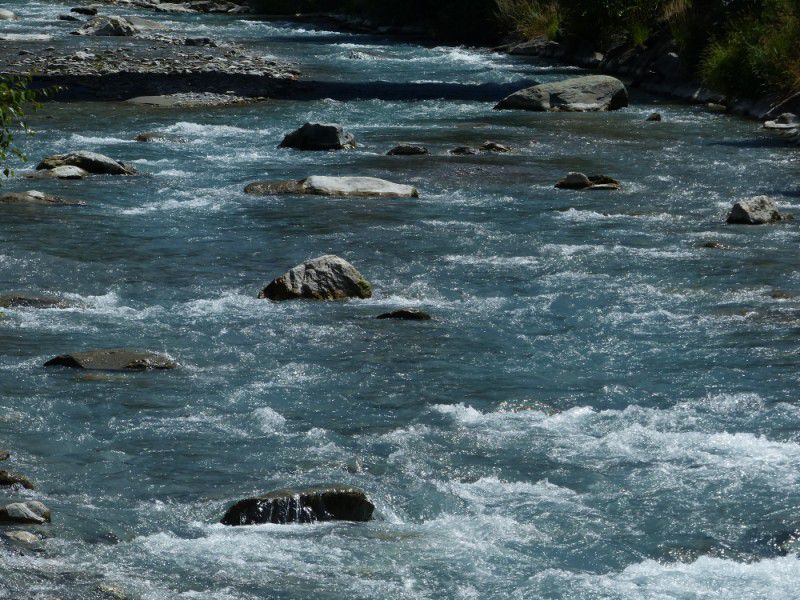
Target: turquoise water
(601,408)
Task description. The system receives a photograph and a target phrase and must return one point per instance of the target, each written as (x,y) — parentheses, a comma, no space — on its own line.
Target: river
(601,407)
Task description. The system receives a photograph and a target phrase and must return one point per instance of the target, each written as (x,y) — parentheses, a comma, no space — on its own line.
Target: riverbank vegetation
(744,48)
(15,99)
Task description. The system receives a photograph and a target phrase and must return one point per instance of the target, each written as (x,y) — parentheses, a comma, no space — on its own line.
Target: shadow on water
(387,90)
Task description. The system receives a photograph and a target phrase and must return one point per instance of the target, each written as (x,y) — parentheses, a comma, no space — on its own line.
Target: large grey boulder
(302,506)
(107,26)
(90,162)
(580,94)
(319,136)
(117,359)
(33,197)
(325,278)
(7,15)
(23,301)
(755,211)
(335,186)
(24,513)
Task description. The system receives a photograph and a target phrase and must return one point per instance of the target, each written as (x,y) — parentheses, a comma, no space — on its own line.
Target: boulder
(784,121)
(755,211)
(7,15)
(335,186)
(494,147)
(302,506)
(407,150)
(464,151)
(406,314)
(62,172)
(107,26)
(24,513)
(319,136)
(579,181)
(655,117)
(7,478)
(22,537)
(85,10)
(325,278)
(580,94)
(22,301)
(90,162)
(39,198)
(113,360)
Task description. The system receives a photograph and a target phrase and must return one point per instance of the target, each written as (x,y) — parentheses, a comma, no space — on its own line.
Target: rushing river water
(601,407)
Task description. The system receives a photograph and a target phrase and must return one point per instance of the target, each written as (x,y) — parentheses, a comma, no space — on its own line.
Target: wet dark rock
(464,151)
(407,150)
(7,478)
(91,162)
(23,301)
(113,360)
(406,314)
(302,506)
(155,136)
(334,186)
(712,245)
(24,513)
(579,181)
(325,278)
(655,117)
(319,136)
(85,10)
(199,41)
(71,18)
(108,26)
(4,455)
(494,147)
(782,295)
(755,211)
(580,94)
(33,197)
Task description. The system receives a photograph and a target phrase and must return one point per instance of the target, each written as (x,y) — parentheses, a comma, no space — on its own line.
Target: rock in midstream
(91,162)
(117,359)
(34,197)
(579,94)
(31,512)
(579,181)
(755,211)
(325,278)
(319,136)
(302,506)
(335,186)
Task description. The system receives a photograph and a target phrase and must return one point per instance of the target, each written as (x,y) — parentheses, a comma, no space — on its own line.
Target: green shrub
(528,19)
(15,98)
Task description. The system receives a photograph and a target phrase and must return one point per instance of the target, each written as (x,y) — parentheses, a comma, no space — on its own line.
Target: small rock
(155,136)
(407,150)
(107,26)
(7,478)
(781,295)
(4,455)
(25,513)
(464,151)
(199,41)
(325,278)
(579,181)
(656,117)
(111,591)
(406,314)
(22,537)
(302,506)
(113,360)
(755,211)
(319,136)
(84,10)
(712,245)
(7,15)
(494,147)
(35,197)
(72,18)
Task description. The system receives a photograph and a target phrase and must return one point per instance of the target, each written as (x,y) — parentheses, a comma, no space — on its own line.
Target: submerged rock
(494,147)
(464,151)
(25,513)
(22,301)
(406,314)
(71,18)
(335,186)
(90,162)
(302,506)
(579,181)
(319,136)
(755,211)
(113,360)
(108,26)
(22,537)
(157,136)
(580,94)
(325,278)
(33,197)
(408,150)
(655,117)
(7,478)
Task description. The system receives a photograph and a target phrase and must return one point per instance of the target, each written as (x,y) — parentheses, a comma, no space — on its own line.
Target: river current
(601,407)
